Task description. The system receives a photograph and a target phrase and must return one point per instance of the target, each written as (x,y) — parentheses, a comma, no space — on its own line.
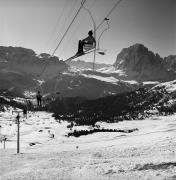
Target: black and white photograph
(87,89)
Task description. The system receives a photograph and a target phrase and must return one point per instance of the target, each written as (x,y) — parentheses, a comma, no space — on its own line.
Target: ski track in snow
(149,153)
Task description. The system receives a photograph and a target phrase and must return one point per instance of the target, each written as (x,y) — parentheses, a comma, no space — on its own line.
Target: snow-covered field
(169,86)
(145,154)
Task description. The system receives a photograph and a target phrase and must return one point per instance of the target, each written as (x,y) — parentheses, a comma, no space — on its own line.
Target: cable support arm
(107,28)
(94,24)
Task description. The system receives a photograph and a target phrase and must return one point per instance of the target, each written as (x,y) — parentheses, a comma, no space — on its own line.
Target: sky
(40,25)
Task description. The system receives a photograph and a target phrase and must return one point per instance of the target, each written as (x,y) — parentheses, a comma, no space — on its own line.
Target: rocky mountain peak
(26,61)
(170,62)
(140,63)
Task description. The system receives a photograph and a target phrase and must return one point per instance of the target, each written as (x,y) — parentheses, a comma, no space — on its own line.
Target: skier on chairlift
(88,43)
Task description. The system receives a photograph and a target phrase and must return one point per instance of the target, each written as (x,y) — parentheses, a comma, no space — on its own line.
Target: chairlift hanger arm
(90,14)
(107,28)
(108,14)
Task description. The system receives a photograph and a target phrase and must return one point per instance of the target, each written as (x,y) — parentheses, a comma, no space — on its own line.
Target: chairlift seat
(88,47)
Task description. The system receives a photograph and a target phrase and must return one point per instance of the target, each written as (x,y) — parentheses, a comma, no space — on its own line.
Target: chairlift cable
(58,20)
(66,19)
(80,22)
(82,3)
(106,17)
(53,52)
(113,8)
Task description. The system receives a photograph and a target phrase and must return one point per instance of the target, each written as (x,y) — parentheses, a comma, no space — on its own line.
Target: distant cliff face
(140,63)
(14,81)
(170,62)
(26,61)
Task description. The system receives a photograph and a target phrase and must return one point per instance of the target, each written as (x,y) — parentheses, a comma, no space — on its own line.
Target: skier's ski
(78,55)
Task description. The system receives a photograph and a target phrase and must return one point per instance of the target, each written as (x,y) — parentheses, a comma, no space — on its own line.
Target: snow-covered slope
(110,70)
(83,65)
(169,86)
(148,153)
(87,84)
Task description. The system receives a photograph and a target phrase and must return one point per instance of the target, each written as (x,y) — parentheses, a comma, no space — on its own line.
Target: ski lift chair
(101,51)
(88,47)
(58,79)
(57,92)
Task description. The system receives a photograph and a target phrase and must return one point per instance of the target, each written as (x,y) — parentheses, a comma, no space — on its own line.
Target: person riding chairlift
(87,43)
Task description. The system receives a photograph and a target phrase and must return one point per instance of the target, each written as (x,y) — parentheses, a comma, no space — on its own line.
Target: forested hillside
(138,104)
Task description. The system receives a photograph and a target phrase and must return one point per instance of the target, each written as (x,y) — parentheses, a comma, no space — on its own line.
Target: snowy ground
(145,154)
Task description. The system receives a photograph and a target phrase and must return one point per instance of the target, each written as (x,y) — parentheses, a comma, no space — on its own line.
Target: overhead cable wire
(65,20)
(106,17)
(82,3)
(58,21)
(80,22)
(113,8)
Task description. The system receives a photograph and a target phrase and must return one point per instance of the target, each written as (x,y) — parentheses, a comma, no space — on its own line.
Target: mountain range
(23,70)
(26,61)
(170,63)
